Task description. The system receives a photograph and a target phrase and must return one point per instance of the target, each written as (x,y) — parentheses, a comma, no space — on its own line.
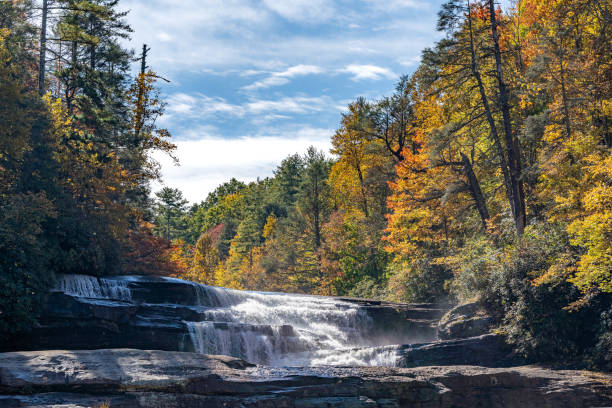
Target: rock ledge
(141,378)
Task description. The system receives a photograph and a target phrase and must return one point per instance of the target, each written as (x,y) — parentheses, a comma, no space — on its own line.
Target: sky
(253,81)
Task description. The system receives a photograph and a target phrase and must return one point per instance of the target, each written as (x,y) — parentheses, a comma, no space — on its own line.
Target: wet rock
(73,323)
(138,378)
(464,321)
(151,314)
(488,350)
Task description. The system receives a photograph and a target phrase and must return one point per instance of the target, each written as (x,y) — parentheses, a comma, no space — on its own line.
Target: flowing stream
(274,329)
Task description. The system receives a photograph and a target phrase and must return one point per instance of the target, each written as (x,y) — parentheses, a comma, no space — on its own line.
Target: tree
(313,196)
(468,39)
(24,274)
(169,213)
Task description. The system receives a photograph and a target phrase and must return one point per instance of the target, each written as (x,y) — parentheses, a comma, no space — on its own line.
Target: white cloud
(299,104)
(394,5)
(282,77)
(200,105)
(182,105)
(368,72)
(309,11)
(212,160)
(164,37)
(409,62)
(244,34)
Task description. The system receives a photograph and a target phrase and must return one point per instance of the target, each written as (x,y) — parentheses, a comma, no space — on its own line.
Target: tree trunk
(92,47)
(317,215)
(503,164)
(512,146)
(140,109)
(475,190)
(566,114)
(43,49)
(364,197)
(168,225)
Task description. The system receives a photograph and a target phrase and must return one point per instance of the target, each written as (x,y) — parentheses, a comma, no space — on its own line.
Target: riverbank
(140,378)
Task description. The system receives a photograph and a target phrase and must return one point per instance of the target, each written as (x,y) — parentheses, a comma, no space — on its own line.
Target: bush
(422,280)
(601,356)
(368,288)
(525,287)
(24,276)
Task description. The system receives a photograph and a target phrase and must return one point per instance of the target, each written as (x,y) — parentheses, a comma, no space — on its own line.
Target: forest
(486,175)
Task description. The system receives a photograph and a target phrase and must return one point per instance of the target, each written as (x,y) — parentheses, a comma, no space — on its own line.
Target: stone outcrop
(155,315)
(487,350)
(126,378)
(463,321)
(391,321)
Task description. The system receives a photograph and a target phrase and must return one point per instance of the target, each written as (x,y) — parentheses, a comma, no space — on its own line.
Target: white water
(282,329)
(93,288)
(265,328)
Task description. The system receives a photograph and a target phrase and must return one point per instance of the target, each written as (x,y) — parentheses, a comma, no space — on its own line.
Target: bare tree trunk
(512,146)
(503,164)
(92,47)
(475,190)
(567,120)
(43,49)
(364,197)
(140,98)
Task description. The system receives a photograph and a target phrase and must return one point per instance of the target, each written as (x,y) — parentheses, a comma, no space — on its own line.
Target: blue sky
(254,81)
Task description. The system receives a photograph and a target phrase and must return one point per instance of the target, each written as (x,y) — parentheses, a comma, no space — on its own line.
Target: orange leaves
(147,254)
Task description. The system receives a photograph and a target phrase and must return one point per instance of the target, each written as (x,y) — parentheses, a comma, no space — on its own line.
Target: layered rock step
(161,313)
(139,378)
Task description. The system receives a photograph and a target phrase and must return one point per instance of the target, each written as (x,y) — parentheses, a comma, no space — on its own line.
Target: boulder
(463,321)
(487,350)
(125,378)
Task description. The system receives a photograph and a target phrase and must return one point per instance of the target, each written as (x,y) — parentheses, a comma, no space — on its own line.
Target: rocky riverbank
(139,378)
(95,340)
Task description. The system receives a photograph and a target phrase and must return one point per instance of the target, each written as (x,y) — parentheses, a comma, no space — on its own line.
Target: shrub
(367,288)
(422,280)
(525,286)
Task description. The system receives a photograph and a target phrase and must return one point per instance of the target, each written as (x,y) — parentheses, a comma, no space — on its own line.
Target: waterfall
(275,329)
(283,329)
(93,288)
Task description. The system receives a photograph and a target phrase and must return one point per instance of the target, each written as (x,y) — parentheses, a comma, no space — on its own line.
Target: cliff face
(138,378)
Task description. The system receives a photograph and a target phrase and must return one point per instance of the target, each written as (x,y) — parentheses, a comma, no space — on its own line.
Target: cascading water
(93,288)
(261,327)
(282,329)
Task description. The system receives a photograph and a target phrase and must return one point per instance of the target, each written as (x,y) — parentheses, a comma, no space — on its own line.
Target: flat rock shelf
(139,378)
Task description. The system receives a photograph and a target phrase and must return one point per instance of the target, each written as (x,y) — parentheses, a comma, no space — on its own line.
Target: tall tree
(170,211)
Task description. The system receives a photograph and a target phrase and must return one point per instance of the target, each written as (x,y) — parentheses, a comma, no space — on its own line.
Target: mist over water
(266,328)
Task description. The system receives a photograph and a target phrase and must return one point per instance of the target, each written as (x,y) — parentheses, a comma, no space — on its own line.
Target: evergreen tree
(170,212)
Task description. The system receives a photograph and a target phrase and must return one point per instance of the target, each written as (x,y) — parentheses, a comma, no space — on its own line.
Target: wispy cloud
(360,72)
(299,104)
(395,5)
(305,11)
(199,105)
(283,77)
(231,34)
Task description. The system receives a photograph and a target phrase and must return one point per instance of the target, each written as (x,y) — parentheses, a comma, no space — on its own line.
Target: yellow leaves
(593,230)
(595,266)
(270,226)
